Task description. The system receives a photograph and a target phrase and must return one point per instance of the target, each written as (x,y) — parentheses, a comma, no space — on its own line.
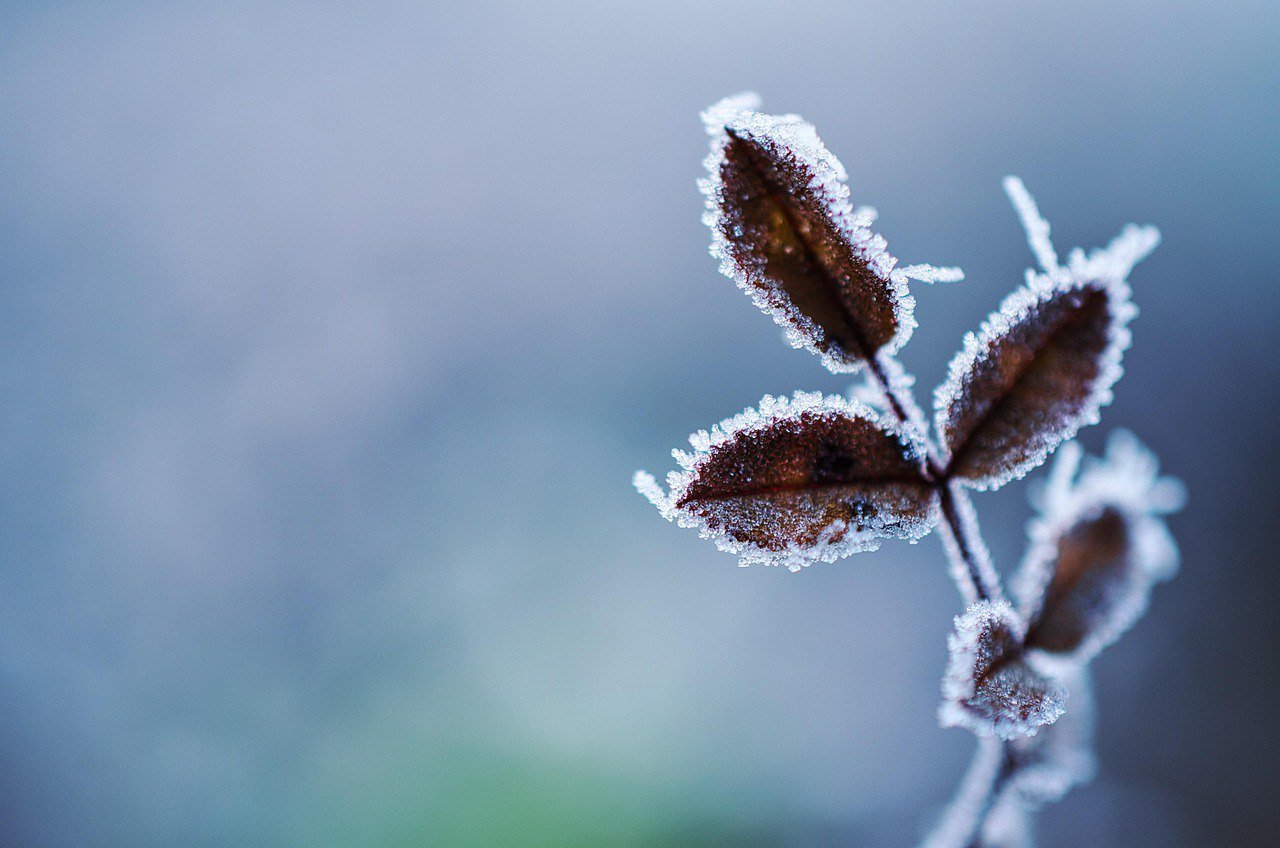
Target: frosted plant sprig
(814,478)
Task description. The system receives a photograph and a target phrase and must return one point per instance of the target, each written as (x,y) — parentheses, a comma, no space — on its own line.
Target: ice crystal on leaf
(799,480)
(783,228)
(1043,365)
(989,686)
(1097,548)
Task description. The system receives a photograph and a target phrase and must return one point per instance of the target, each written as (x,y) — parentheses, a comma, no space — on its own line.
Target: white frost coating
(865,391)
(963,815)
(901,383)
(1109,266)
(1127,479)
(966,810)
(1013,700)
(718,114)
(930,274)
(836,541)
(1008,825)
(1036,227)
(793,134)
(1015,309)
(865,216)
(1042,769)
(1117,259)
(1113,262)
(647,485)
(957,562)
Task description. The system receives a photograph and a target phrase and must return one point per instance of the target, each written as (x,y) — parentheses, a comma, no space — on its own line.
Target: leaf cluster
(814,478)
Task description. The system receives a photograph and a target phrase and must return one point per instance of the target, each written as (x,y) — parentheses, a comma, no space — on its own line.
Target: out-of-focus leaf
(799,480)
(1098,546)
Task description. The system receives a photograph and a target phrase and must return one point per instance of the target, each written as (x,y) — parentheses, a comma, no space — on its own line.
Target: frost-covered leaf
(1042,366)
(1097,547)
(1046,766)
(799,480)
(1038,370)
(783,229)
(989,686)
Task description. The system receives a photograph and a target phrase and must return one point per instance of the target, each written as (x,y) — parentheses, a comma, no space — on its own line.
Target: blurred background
(331,335)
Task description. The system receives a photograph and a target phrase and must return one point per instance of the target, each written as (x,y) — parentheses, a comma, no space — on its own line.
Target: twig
(977,580)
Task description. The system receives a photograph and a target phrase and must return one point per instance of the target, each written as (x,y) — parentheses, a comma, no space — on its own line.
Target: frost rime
(814,478)
(999,362)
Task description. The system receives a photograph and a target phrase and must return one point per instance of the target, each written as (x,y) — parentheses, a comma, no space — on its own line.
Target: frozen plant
(813,478)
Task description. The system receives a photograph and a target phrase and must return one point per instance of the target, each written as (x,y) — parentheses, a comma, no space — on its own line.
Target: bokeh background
(331,335)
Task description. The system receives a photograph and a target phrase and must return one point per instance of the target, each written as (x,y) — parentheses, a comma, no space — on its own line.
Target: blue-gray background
(330,336)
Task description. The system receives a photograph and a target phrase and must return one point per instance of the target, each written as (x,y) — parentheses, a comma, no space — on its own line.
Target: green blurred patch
(490,801)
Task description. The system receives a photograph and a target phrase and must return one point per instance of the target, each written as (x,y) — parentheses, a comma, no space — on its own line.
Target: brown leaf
(989,686)
(1091,571)
(779,211)
(799,481)
(1040,369)
(1097,549)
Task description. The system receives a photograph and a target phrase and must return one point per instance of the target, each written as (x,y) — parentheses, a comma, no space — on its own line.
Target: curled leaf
(1097,548)
(799,480)
(989,686)
(1042,366)
(783,229)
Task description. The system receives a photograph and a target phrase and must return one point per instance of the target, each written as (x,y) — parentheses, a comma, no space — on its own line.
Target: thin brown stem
(896,404)
(971,563)
(971,567)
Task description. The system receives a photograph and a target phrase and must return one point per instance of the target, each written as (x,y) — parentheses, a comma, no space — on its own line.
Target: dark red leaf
(779,211)
(1097,549)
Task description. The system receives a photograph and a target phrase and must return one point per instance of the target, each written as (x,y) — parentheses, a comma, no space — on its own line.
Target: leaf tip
(716,116)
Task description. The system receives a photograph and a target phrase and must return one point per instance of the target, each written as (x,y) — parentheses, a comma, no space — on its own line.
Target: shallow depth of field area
(331,336)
